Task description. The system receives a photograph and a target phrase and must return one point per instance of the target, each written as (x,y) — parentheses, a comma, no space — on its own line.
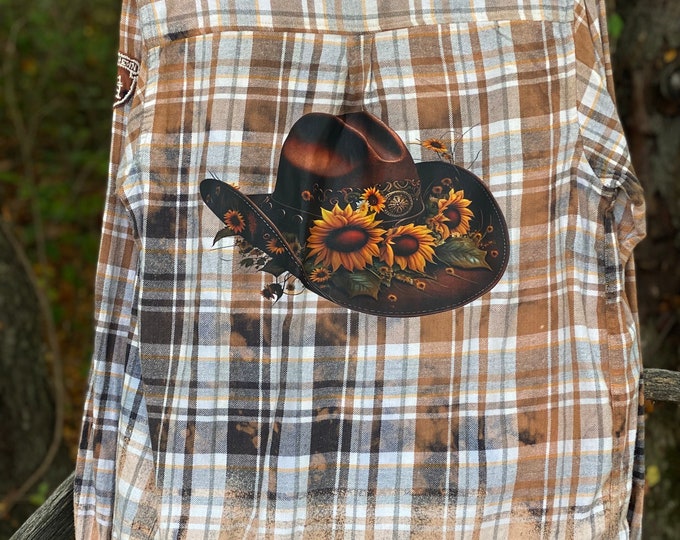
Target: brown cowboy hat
(360,224)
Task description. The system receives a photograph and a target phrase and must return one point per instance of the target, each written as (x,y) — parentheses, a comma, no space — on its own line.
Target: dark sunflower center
(404,246)
(373,200)
(347,239)
(453,214)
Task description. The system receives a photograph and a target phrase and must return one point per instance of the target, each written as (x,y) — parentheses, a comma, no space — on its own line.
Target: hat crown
(328,160)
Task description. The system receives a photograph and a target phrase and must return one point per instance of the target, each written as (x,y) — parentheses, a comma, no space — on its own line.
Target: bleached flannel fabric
(213,412)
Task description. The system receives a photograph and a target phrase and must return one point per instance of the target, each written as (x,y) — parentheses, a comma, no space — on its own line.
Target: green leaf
(359,284)
(223,234)
(653,475)
(274,268)
(309,265)
(39,496)
(615,25)
(462,252)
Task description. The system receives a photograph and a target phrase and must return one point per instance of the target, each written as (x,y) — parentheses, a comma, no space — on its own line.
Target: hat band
(396,199)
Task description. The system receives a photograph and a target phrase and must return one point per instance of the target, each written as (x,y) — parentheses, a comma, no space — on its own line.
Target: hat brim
(462,269)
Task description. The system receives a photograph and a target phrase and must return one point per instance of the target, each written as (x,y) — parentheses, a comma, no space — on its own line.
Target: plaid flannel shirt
(213,412)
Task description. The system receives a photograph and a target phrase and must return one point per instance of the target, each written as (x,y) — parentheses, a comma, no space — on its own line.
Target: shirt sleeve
(115,287)
(607,153)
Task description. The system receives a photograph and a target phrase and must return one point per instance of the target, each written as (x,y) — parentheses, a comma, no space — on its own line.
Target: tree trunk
(26,405)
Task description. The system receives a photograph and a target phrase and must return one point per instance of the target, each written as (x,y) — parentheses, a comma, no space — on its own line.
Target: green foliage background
(57,67)
(57,77)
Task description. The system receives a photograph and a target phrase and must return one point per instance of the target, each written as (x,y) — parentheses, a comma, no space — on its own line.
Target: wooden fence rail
(54,519)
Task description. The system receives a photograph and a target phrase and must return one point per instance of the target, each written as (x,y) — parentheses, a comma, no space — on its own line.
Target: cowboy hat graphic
(360,224)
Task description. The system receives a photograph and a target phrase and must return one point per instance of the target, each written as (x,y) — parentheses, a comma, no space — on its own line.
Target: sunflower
(455,209)
(347,238)
(320,275)
(273,291)
(268,293)
(274,246)
(436,145)
(438,224)
(374,199)
(409,246)
(234,220)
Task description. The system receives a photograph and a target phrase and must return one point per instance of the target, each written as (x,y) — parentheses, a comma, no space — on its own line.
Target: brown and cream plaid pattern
(213,412)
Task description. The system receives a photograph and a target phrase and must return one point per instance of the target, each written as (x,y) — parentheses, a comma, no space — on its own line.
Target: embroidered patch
(128,70)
